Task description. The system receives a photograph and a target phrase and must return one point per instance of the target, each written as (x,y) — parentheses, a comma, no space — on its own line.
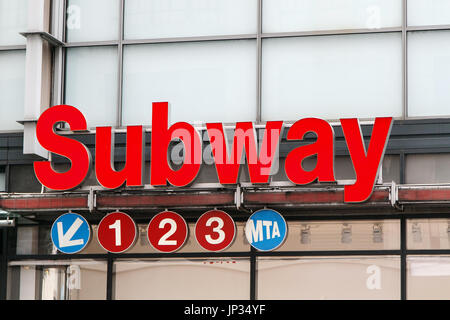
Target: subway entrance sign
(266,230)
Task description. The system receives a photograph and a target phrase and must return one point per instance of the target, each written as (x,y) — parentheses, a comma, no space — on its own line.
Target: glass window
(37,240)
(428,277)
(342,235)
(428,12)
(427,168)
(344,170)
(332,77)
(2,180)
(92,20)
(91,83)
(329,278)
(310,15)
(428,234)
(57,280)
(202,81)
(428,73)
(13,20)
(204,279)
(185,18)
(12,89)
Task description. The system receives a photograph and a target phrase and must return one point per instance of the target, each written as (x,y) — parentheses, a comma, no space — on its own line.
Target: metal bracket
(45,36)
(238,197)
(92,199)
(393,196)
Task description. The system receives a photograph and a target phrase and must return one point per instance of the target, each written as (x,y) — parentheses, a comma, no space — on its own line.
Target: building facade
(230,61)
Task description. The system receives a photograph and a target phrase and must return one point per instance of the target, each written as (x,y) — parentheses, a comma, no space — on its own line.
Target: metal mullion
(329,32)
(428,252)
(404,60)
(259,63)
(191,39)
(11,48)
(334,253)
(63,55)
(428,28)
(253,274)
(91,44)
(403,245)
(110,278)
(120,57)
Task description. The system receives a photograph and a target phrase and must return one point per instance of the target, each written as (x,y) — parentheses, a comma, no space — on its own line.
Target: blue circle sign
(70,233)
(266,230)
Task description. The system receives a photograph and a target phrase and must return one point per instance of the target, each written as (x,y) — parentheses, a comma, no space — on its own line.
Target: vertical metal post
(402,168)
(253,274)
(405,58)
(403,271)
(110,278)
(259,64)
(120,57)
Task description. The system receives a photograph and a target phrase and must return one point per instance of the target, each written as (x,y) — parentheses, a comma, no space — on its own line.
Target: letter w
(228,164)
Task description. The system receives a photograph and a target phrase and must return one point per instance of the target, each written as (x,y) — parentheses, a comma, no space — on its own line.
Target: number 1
(116,226)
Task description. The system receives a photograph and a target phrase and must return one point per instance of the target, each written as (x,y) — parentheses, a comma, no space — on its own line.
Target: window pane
(202,81)
(89,20)
(427,168)
(91,83)
(2,180)
(37,240)
(13,19)
(329,278)
(57,280)
(174,279)
(310,15)
(343,168)
(428,12)
(12,89)
(428,234)
(428,277)
(342,235)
(332,77)
(185,18)
(428,73)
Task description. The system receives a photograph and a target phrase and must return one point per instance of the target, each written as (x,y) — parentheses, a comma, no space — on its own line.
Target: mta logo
(266,230)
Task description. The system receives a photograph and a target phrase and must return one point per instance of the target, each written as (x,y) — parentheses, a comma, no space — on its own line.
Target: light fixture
(416,232)
(305,234)
(346,234)
(377,234)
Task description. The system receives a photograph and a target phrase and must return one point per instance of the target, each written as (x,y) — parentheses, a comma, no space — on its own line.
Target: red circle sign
(215,230)
(167,231)
(116,232)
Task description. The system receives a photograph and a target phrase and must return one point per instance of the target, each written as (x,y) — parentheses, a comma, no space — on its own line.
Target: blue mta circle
(70,233)
(266,230)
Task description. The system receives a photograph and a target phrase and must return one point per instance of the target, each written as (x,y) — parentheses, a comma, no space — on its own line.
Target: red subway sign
(228,158)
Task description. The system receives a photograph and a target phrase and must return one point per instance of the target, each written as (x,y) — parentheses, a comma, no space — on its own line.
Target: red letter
(104,158)
(244,137)
(161,172)
(323,148)
(75,151)
(366,165)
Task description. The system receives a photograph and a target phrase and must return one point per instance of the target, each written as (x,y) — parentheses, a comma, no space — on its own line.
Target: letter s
(75,151)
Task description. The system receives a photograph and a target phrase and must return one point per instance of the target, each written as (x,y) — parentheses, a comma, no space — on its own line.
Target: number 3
(217,229)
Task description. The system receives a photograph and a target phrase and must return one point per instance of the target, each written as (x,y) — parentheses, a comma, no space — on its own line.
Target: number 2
(173,228)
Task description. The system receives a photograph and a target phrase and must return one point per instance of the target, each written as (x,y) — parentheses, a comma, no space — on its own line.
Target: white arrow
(65,239)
